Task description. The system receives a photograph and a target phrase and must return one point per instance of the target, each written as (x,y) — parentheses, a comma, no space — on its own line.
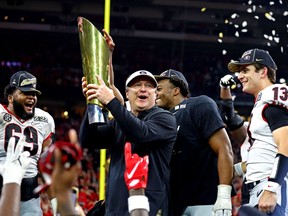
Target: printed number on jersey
(31,137)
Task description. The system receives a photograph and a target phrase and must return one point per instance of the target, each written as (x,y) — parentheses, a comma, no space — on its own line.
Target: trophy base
(96,114)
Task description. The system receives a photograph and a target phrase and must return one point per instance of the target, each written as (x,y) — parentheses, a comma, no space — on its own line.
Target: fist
(136,169)
(227,81)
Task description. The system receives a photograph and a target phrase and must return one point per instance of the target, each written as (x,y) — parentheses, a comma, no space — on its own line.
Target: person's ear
(127,94)
(264,72)
(176,91)
(10,98)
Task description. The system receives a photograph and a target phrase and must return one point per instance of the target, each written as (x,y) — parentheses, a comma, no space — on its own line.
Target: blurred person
(136,176)
(151,131)
(16,163)
(63,179)
(267,162)
(71,155)
(46,205)
(202,160)
(21,117)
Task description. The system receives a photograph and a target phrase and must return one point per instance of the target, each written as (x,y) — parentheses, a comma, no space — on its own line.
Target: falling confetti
(261,20)
(269,16)
(233,16)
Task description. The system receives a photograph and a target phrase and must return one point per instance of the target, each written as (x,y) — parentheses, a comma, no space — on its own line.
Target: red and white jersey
(263,148)
(36,130)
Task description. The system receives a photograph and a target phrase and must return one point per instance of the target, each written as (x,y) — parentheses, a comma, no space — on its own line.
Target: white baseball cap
(141,73)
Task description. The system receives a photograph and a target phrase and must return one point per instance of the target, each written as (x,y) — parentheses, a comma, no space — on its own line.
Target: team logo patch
(40,119)
(259,96)
(7,117)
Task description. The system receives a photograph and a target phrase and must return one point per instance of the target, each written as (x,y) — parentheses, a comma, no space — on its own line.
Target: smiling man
(150,130)
(267,162)
(21,117)
(202,159)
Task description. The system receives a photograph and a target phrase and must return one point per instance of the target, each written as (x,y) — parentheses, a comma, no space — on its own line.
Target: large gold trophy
(95,58)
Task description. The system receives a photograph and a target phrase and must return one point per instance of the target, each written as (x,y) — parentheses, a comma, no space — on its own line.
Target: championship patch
(40,119)
(7,117)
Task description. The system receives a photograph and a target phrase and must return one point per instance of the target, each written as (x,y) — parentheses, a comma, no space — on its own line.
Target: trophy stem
(96,114)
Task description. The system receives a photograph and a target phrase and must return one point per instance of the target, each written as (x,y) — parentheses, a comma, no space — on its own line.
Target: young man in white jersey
(267,162)
(21,117)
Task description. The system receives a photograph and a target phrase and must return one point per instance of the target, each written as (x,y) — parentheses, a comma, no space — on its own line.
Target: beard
(20,111)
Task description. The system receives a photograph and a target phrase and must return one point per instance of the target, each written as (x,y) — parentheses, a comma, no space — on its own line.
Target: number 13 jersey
(263,147)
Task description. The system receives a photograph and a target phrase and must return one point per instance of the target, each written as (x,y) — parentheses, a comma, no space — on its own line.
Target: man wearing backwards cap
(21,117)
(150,130)
(267,162)
(202,159)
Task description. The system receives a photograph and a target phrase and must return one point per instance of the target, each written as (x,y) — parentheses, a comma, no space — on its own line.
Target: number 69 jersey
(263,147)
(36,130)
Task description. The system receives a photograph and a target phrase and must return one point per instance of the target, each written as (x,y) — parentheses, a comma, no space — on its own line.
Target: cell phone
(74,195)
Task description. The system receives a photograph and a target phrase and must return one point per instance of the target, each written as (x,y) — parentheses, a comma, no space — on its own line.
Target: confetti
(244,24)
(269,16)
(233,16)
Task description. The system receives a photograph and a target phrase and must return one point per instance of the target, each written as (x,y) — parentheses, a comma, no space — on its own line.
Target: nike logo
(258,59)
(133,170)
(259,192)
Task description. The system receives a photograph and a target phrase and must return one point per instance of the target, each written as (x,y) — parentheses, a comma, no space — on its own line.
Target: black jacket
(152,133)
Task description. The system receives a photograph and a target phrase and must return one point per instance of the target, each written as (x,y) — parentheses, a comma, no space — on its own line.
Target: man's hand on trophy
(103,93)
(84,86)
(108,40)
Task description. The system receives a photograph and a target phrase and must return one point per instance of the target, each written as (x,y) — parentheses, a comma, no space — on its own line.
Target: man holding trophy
(150,130)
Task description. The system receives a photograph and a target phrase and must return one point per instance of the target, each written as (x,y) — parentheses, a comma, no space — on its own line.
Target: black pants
(27,187)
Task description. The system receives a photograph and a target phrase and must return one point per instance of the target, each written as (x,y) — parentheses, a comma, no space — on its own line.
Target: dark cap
(24,81)
(176,76)
(141,73)
(253,56)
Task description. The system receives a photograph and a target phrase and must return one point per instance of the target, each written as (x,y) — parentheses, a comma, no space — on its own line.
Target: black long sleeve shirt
(152,133)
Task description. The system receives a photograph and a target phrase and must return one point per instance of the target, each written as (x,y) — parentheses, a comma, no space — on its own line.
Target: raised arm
(111,45)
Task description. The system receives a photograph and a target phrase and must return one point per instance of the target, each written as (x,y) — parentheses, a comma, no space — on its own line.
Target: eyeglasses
(140,85)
